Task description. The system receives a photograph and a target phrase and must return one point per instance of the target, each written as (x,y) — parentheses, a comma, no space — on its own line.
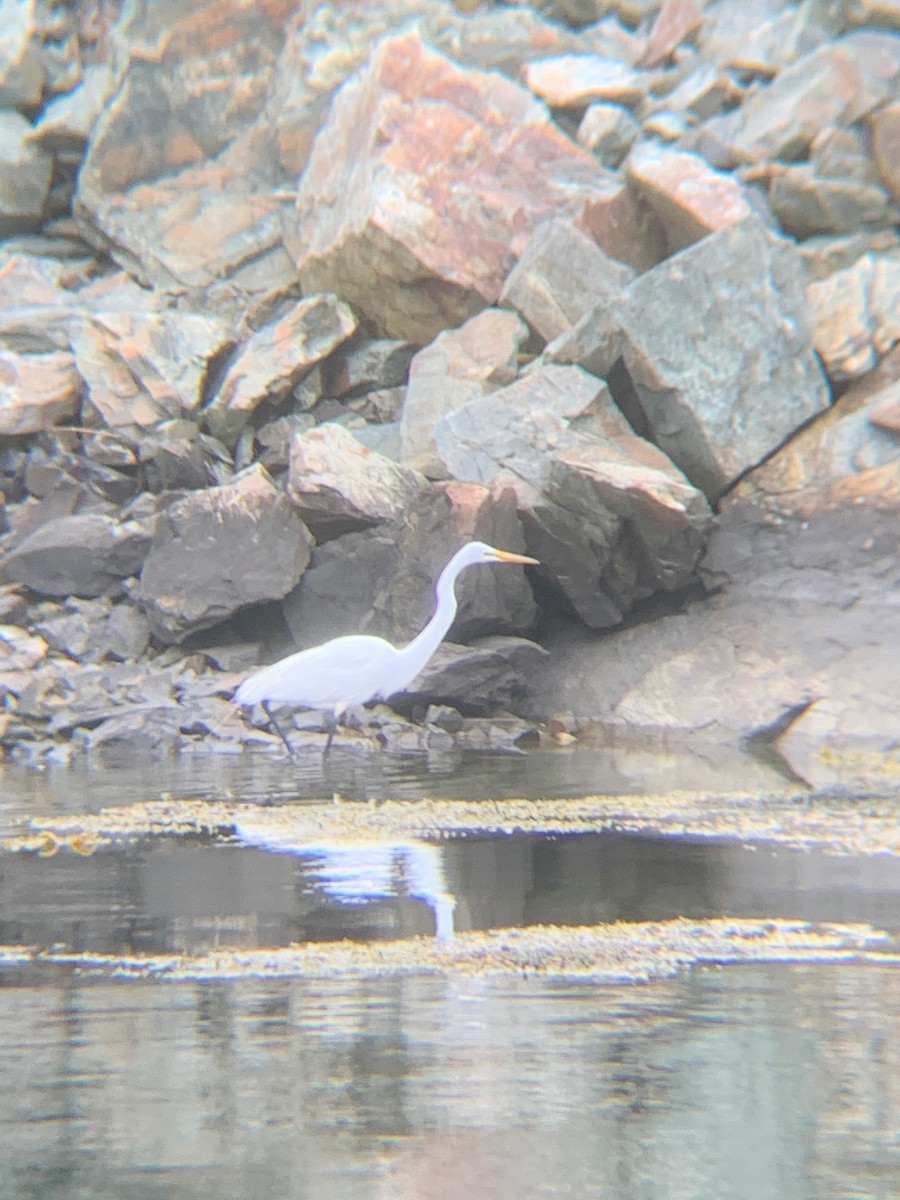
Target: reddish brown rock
(690,197)
(850,453)
(574,80)
(856,314)
(427,181)
(885,127)
(143,367)
(275,358)
(675,21)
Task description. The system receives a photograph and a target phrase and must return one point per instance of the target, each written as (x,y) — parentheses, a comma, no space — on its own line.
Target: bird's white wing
(349,670)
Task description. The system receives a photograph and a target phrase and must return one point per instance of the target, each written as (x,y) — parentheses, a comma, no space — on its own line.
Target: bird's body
(358,668)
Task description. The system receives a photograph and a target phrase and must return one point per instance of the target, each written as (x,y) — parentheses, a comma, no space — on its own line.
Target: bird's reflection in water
(362,872)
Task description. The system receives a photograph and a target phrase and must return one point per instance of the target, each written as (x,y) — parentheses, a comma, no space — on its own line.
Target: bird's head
(480,552)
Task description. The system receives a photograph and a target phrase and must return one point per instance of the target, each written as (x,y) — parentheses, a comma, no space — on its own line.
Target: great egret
(358,668)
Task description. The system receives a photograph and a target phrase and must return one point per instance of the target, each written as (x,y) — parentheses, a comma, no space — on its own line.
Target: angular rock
(25,173)
(460,364)
(338,486)
(274,359)
(22,70)
(885,127)
(427,180)
(574,80)
(382,581)
(82,555)
(66,121)
(19,650)
(37,391)
(608,130)
(594,342)
(705,92)
(668,520)
(675,21)
(561,274)
(515,429)
(835,84)
(703,371)
(855,313)
(690,197)
(376,364)
(493,673)
(806,203)
(216,551)
(849,454)
(175,455)
(141,368)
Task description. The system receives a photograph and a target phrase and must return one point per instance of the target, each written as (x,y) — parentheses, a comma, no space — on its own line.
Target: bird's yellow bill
(508,556)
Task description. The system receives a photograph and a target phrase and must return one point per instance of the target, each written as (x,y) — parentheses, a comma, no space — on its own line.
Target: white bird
(355,669)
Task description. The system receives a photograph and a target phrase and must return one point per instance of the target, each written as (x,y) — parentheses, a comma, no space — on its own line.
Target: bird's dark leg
(276,724)
(336,714)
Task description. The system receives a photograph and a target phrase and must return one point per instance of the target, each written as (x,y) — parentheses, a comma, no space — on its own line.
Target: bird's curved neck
(421,648)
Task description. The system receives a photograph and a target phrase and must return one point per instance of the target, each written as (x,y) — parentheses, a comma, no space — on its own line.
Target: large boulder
(217,550)
(718,343)
(426,182)
(610,518)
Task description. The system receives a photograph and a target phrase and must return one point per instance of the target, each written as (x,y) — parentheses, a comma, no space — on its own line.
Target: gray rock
(493,673)
(126,633)
(25,172)
(82,555)
(370,365)
(608,130)
(22,70)
(513,428)
(834,84)
(594,342)
(175,455)
(274,359)
(460,364)
(215,551)
(562,273)
(338,486)
(717,341)
(806,203)
(66,121)
(382,581)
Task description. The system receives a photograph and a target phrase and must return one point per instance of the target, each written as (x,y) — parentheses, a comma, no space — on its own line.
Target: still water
(778,1082)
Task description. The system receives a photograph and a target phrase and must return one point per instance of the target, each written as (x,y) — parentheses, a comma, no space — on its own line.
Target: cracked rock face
(718,343)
